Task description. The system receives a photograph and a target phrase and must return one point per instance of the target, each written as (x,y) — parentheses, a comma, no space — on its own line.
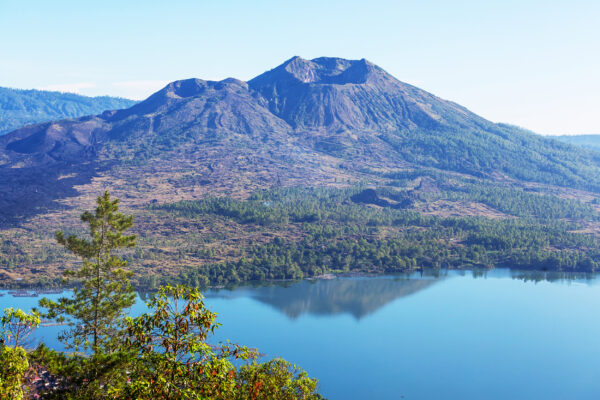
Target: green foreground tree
(174,359)
(17,325)
(102,292)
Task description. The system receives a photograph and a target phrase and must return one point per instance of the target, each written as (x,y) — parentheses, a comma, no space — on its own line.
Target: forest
(367,230)
(416,220)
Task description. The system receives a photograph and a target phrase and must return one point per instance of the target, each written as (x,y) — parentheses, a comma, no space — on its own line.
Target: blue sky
(531,63)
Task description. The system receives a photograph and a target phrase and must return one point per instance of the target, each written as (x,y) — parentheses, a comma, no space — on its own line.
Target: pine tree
(103,292)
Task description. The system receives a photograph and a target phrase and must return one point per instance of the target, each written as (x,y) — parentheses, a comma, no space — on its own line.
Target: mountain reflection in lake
(356,296)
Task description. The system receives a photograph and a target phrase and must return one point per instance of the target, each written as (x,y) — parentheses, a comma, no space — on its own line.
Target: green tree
(14,365)
(103,292)
(17,325)
(173,359)
(276,379)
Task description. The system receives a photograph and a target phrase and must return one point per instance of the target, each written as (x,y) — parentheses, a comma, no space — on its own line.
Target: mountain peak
(181,91)
(340,94)
(322,70)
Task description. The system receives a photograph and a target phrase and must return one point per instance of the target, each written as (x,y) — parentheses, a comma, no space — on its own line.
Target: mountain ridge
(588,141)
(20,107)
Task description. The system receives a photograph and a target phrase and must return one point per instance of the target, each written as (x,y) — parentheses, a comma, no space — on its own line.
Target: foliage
(167,354)
(499,148)
(97,307)
(341,235)
(100,299)
(79,376)
(13,362)
(174,360)
(276,379)
(17,325)
(522,203)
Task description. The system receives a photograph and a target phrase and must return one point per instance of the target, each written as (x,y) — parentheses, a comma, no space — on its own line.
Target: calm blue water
(454,336)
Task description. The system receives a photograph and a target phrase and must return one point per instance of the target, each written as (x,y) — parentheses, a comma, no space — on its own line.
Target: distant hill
(587,141)
(23,107)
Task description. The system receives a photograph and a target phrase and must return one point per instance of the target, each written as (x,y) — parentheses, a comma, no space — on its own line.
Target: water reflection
(530,275)
(363,296)
(553,276)
(358,297)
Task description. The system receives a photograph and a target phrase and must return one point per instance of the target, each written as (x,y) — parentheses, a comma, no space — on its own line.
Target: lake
(455,335)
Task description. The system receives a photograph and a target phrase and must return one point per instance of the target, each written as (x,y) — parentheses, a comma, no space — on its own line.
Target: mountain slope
(23,107)
(306,122)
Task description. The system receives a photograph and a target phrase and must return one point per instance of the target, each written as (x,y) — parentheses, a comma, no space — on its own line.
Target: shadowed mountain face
(357,297)
(306,122)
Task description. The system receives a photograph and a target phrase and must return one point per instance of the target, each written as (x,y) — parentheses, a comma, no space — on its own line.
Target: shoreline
(533,274)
